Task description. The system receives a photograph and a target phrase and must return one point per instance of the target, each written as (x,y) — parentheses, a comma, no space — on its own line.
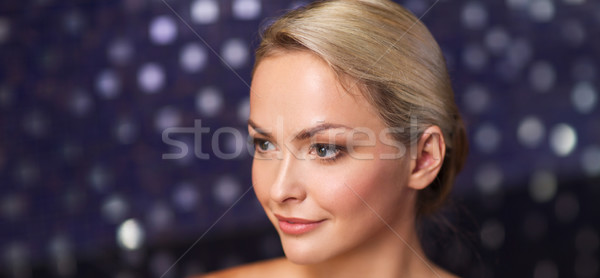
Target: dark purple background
(88,87)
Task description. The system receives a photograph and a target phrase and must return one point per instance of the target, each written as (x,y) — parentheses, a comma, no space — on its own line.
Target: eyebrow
(303,134)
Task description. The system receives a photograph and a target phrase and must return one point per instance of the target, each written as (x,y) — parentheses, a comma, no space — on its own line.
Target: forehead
(301,89)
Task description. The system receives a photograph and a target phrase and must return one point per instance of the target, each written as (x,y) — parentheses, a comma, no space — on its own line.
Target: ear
(430,153)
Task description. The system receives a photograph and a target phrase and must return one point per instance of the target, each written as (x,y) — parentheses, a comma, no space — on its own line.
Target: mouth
(297,226)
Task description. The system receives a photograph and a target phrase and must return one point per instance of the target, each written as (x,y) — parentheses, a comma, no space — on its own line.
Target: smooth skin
(323,154)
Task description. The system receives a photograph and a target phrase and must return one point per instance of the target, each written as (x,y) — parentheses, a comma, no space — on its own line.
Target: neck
(394,253)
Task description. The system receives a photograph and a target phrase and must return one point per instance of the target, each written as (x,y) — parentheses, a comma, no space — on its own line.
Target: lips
(297,226)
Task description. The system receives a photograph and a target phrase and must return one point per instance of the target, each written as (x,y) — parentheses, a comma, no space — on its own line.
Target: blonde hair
(396,63)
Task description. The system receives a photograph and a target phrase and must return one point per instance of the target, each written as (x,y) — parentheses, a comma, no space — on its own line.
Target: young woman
(356,136)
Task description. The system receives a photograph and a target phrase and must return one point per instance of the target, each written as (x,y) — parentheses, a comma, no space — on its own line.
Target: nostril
(289,199)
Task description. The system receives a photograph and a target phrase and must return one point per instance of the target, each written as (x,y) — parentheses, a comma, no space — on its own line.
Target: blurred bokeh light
(88,88)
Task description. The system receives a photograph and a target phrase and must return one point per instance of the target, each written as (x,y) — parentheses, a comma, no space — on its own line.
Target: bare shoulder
(262,269)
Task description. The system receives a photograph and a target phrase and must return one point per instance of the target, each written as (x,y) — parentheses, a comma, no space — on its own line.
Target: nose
(288,185)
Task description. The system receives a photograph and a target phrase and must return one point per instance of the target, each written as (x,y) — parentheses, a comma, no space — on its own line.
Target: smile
(297,226)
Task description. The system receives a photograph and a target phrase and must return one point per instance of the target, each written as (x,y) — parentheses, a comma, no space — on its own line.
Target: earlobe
(431,150)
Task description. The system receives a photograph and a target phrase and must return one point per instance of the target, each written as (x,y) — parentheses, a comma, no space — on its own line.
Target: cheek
(378,184)
(342,190)
(261,181)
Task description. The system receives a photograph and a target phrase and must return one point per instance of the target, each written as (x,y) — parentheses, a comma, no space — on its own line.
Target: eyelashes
(262,145)
(321,151)
(327,152)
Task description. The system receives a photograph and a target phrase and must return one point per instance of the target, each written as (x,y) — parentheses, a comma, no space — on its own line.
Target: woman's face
(322,169)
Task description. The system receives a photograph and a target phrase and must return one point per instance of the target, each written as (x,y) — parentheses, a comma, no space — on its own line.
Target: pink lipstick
(297,226)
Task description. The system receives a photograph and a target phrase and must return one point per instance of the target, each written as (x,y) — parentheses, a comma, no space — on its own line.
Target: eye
(327,151)
(263,145)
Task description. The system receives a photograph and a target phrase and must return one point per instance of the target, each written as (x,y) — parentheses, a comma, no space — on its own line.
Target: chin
(302,259)
(304,253)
